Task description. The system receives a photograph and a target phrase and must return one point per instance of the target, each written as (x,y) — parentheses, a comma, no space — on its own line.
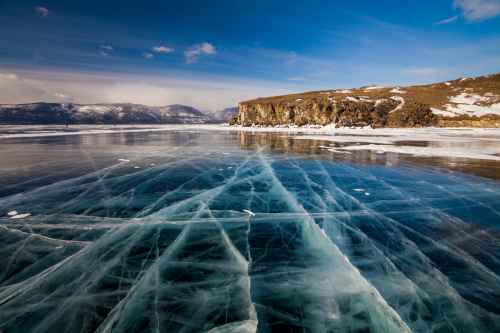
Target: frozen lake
(196,230)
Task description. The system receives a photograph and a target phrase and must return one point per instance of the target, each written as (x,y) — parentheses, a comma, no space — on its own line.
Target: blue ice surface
(190,232)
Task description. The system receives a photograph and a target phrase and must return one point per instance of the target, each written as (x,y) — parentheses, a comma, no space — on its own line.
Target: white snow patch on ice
(21,216)
(12,213)
(430,151)
(348,138)
(249,212)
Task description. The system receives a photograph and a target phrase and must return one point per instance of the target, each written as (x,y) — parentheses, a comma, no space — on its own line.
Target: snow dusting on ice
(249,212)
(429,151)
(21,216)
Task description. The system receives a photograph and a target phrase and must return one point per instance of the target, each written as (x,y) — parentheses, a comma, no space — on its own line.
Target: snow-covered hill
(59,113)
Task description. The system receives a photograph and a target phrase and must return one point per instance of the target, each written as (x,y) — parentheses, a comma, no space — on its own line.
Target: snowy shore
(476,143)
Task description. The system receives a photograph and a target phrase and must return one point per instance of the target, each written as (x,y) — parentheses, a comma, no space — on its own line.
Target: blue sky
(211,54)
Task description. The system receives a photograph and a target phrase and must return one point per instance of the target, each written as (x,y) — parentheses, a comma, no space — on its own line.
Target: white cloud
(42,11)
(162,49)
(296,79)
(107,47)
(61,96)
(204,93)
(8,76)
(448,20)
(424,71)
(148,55)
(478,10)
(194,52)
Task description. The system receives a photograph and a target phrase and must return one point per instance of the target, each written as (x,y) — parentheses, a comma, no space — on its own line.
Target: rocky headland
(465,102)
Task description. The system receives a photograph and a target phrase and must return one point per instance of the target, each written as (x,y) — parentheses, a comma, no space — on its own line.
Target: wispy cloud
(8,76)
(148,55)
(447,20)
(42,11)
(107,47)
(206,93)
(296,79)
(162,49)
(424,71)
(61,96)
(478,10)
(194,52)
(105,50)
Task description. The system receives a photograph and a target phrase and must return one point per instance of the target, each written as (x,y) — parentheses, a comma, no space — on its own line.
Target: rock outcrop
(345,113)
(462,102)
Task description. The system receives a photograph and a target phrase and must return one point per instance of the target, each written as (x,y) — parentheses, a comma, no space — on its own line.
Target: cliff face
(462,102)
(343,113)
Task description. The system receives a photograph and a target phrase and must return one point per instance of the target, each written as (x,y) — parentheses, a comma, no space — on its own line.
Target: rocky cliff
(463,102)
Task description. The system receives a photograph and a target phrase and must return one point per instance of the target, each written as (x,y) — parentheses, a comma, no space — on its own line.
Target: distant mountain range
(118,113)
(225,115)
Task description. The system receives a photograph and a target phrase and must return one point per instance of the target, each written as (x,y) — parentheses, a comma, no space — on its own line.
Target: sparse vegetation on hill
(461,102)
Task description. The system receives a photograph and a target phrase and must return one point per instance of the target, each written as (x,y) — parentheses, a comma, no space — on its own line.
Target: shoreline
(51,130)
(460,143)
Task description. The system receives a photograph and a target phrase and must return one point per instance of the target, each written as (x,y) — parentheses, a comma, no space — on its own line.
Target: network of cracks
(252,242)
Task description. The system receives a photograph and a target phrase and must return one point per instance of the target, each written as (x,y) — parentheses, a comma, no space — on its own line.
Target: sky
(213,54)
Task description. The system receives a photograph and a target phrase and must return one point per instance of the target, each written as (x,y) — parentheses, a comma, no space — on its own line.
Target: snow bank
(429,151)
(443,113)
(470,99)
(471,105)
(397,90)
(374,88)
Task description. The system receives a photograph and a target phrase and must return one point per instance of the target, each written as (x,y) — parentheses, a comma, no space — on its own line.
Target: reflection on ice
(251,242)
